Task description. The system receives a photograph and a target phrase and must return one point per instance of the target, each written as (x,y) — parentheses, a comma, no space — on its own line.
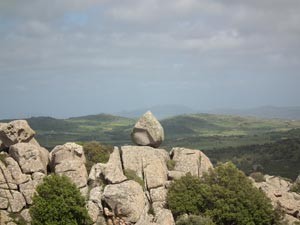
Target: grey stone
(190,161)
(125,199)
(31,158)
(15,200)
(113,171)
(15,132)
(69,159)
(28,190)
(148,163)
(148,131)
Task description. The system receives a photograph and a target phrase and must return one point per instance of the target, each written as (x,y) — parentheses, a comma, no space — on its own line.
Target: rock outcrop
(31,158)
(148,163)
(130,189)
(148,131)
(69,159)
(15,132)
(278,190)
(189,161)
(126,200)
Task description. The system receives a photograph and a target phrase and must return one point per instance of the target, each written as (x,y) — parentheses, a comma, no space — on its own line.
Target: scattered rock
(31,158)
(277,189)
(125,199)
(190,161)
(148,131)
(15,132)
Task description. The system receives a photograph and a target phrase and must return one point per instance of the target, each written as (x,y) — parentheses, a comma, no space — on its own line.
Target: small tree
(96,152)
(225,194)
(58,202)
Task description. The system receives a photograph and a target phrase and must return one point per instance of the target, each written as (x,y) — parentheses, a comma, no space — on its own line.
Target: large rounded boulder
(148,131)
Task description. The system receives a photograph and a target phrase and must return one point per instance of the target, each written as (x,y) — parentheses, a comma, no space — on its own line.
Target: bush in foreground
(58,202)
(225,194)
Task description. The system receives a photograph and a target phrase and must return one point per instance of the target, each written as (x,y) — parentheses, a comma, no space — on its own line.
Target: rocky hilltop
(113,197)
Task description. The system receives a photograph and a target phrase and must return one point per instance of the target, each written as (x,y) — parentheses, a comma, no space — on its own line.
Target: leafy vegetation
(270,145)
(131,175)
(280,158)
(225,194)
(58,202)
(96,152)
(204,131)
(171,164)
(258,177)
(17,219)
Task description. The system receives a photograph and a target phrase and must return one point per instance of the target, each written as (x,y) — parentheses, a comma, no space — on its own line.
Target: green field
(247,141)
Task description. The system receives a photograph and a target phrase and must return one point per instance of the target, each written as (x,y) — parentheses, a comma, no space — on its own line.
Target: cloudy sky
(75,57)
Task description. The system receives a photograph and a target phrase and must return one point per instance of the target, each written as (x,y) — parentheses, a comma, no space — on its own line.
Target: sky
(65,58)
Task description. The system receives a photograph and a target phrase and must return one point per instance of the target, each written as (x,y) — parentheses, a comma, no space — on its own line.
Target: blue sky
(74,57)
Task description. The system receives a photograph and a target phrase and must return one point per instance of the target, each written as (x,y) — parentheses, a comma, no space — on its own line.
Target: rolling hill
(202,131)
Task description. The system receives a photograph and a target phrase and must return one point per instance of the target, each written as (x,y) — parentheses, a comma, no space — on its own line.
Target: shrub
(131,175)
(17,219)
(58,202)
(258,177)
(194,220)
(187,196)
(171,164)
(295,187)
(96,152)
(224,194)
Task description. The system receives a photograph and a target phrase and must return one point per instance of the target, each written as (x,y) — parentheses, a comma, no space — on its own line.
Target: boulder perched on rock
(30,157)
(190,161)
(148,131)
(15,132)
(126,200)
(69,159)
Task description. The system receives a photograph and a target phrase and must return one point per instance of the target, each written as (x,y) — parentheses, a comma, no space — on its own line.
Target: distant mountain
(160,111)
(268,112)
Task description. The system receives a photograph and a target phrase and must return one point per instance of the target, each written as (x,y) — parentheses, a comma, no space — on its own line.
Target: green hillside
(202,131)
(279,158)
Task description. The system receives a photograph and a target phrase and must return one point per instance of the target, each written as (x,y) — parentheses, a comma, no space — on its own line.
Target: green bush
(131,175)
(58,202)
(194,220)
(96,152)
(17,219)
(258,177)
(187,196)
(171,164)
(225,194)
(295,187)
